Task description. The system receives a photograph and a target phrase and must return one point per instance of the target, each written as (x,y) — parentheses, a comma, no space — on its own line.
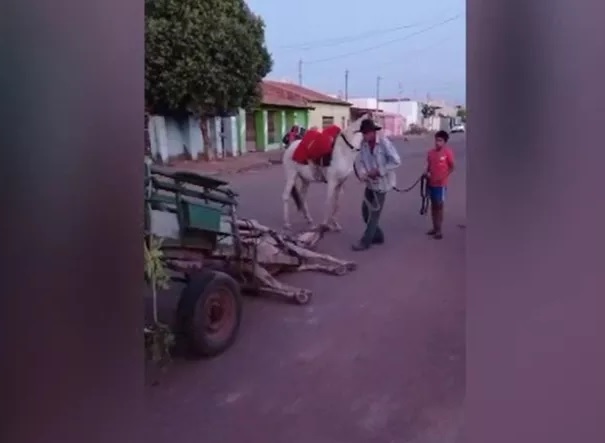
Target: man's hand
(373,173)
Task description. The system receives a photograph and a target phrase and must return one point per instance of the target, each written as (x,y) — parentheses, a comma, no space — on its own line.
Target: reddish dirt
(378,356)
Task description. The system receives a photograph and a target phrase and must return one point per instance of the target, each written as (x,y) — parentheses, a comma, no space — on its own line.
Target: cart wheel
(209,313)
(303,297)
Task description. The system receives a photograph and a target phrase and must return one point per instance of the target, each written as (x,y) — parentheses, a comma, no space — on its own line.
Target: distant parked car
(458,128)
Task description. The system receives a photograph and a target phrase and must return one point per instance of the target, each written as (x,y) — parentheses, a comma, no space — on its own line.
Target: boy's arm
(450,160)
(427,170)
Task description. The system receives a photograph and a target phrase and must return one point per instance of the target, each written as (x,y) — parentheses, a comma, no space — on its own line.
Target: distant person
(289,136)
(295,133)
(440,164)
(375,165)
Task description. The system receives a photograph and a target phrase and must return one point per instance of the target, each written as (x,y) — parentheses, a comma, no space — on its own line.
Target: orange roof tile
(277,96)
(306,93)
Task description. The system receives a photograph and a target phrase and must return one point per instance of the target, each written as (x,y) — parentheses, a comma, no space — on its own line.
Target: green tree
(428,111)
(203,57)
(461,113)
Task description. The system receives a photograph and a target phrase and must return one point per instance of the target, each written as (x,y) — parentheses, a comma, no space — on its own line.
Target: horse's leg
(287,194)
(329,208)
(304,188)
(337,196)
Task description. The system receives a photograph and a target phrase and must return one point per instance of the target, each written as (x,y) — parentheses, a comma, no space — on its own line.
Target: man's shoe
(432,232)
(438,236)
(359,247)
(378,241)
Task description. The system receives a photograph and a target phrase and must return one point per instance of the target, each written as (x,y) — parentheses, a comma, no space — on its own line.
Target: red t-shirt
(440,161)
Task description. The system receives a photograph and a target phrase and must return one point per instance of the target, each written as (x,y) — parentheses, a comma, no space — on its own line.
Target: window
(326,121)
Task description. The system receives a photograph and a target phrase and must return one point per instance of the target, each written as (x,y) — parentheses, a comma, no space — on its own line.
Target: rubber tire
(190,326)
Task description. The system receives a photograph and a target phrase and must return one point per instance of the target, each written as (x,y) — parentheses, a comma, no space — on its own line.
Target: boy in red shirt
(440,164)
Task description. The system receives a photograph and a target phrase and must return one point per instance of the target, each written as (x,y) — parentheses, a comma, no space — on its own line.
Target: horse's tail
(297,198)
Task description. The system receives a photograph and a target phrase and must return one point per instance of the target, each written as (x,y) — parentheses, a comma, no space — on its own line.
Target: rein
(349,144)
(424,197)
(422,181)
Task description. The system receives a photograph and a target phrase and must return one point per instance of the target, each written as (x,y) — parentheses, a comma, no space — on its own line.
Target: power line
(403,59)
(439,88)
(371,48)
(346,39)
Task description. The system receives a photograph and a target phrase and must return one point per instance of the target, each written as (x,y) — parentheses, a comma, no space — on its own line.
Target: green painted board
(202,217)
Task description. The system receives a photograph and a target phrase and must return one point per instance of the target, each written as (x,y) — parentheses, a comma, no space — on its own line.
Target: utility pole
(378,90)
(346,85)
(300,66)
(400,93)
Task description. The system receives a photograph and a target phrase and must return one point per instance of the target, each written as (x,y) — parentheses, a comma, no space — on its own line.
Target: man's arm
(393,159)
(360,166)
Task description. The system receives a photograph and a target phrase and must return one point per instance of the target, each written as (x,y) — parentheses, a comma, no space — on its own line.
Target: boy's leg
(433,197)
(439,204)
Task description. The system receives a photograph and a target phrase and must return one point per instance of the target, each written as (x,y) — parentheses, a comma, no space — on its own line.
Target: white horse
(346,147)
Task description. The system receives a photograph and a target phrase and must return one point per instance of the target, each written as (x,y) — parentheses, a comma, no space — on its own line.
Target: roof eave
(281,105)
(330,102)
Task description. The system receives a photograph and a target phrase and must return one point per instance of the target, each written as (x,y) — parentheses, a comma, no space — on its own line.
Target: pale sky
(420,45)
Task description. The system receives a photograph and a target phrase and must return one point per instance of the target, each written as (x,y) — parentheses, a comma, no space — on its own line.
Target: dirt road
(378,356)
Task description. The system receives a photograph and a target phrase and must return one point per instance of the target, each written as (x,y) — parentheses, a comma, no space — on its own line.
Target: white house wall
(367,103)
(410,110)
(171,138)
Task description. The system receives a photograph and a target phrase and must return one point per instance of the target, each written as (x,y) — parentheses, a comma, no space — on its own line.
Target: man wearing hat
(375,165)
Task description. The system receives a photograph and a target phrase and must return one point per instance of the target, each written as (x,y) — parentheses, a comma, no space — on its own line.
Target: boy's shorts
(436,193)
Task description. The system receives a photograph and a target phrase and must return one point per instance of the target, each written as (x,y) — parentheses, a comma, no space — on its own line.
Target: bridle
(348,143)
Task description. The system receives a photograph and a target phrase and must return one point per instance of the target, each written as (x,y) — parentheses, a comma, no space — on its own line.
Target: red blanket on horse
(315,144)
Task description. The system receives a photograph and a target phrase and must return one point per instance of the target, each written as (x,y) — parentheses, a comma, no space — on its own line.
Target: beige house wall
(341,114)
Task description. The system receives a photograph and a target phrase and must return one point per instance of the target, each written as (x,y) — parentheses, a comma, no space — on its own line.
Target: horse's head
(351,135)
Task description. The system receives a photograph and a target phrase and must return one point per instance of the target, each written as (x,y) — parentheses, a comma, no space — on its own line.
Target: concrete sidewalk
(232,165)
(251,161)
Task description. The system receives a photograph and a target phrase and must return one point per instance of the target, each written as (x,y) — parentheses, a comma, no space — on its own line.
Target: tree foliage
(428,111)
(461,113)
(203,57)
